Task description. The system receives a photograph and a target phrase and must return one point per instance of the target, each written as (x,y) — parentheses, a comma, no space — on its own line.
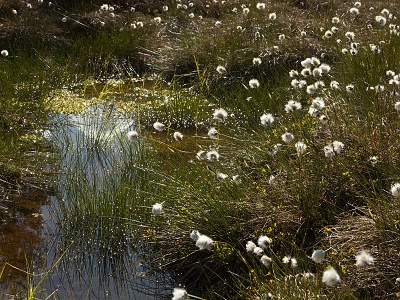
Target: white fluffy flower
(330,277)
(221,70)
(397,106)
(220,114)
(337,146)
(318,256)
(300,147)
(257,61)
(212,133)
(381,20)
(395,189)
(212,155)
(204,242)
(323,119)
(222,176)
(157,209)
(272,16)
(159,126)
(260,5)
(195,234)
(311,89)
(307,63)
(179,294)
(250,246)
(318,103)
(4,53)
(264,241)
(258,251)
(364,259)
(287,137)
(253,83)
(292,105)
(328,150)
(293,262)
(178,136)
(132,135)
(266,260)
(267,119)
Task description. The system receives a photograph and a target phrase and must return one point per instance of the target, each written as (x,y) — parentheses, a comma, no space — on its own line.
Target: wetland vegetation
(200,149)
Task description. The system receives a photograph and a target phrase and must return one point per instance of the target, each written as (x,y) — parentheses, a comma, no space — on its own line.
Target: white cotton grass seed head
(328,150)
(323,119)
(311,89)
(159,126)
(295,83)
(258,251)
(222,176)
(318,256)
(381,20)
(293,262)
(373,160)
(194,235)
(354,11)
(335,20)
(221,70)
(179,294)
(325,68)
(286,259)
(267,119)
(132,135)
(272,16)
(178,136)
(330,277)
(350,35)
(157,209)
(4,53)
(395,189)
(337,146)
(212,155)
(253,83)
(318,103)
(250,246)
(334,85)
(364,259)
(204,242)
(349,88)
(292,105)
(260,5)
(220,114)
(264,241)
(287,137)
(306,72)
(201,154)
(301,147)
(257,61)
(397,106)
(293,73)
(266,260)
(307,63)
(212,133)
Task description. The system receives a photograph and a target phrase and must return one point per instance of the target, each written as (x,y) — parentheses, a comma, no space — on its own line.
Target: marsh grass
(313,202)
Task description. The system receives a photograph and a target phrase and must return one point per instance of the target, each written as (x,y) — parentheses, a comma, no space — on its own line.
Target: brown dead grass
(353,234)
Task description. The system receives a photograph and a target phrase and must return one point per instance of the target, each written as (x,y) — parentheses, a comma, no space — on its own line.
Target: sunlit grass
(325,160)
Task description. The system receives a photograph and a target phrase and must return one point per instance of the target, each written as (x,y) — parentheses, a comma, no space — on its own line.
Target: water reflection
(103,185)
(20,232)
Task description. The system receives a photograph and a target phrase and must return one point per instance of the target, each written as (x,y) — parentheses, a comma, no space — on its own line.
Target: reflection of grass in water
(104,182)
